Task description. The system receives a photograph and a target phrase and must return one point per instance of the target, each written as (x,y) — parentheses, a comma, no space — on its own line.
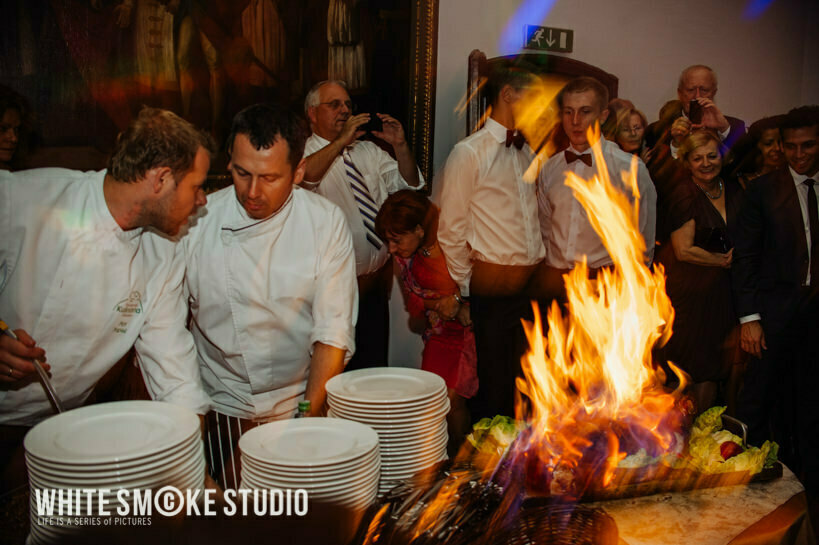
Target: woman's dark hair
(403,211)
(745,156)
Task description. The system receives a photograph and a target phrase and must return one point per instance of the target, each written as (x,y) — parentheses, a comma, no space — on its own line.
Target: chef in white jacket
(272,286)
(88,270)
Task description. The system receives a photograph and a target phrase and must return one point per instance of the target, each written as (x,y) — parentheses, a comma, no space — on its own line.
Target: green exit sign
(549,39)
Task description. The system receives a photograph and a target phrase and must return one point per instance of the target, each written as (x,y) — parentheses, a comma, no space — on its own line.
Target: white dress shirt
(802,192)
(87,291)
(382,179)
(488,212)
(261,293)
(566,230)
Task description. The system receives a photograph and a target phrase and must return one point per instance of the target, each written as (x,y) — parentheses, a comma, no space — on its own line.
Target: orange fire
(592,395)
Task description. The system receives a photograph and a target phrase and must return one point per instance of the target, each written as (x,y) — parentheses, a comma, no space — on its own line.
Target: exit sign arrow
(548,38)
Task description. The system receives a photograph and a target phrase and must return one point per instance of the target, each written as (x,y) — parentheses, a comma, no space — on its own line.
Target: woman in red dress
(408,221)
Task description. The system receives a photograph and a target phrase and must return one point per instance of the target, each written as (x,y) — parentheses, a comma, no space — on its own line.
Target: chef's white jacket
(87,291)
(261,293)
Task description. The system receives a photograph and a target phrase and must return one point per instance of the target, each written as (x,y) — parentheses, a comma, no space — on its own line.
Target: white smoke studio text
(168,501)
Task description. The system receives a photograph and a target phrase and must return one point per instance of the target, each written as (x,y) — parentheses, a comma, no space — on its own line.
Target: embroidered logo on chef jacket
(127,308)
(132,305)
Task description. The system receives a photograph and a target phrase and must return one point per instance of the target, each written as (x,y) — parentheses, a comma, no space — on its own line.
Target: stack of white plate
(128,444)
(407,407)
(335,461)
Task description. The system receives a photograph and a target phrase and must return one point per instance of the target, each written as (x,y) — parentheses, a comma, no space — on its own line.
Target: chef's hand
(752,338)
(16,355)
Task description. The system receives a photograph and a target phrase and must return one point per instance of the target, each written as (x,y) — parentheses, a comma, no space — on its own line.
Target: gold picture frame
(422,99)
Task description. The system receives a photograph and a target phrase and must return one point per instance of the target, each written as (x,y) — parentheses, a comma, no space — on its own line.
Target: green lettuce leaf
(725,435)
(494,435)
(708,422)
(771,449)
(704,452)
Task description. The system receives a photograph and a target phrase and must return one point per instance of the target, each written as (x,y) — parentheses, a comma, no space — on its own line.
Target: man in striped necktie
(358,176)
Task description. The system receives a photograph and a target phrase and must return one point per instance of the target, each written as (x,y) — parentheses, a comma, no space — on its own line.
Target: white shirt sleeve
(389,173)
(165,349)
(454,228)
(335,305)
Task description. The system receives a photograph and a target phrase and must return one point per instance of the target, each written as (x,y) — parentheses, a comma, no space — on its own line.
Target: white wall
(766,64)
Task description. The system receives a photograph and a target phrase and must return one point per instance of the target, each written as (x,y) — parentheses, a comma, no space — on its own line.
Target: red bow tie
(516,138)
(572,157)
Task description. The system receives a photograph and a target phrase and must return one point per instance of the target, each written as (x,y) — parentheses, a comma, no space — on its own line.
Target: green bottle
(304,409)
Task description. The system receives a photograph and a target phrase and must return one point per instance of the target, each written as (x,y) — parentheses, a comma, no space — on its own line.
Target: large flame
(592,394)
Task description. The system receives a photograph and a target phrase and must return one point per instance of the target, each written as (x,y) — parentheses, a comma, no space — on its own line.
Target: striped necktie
(366,204)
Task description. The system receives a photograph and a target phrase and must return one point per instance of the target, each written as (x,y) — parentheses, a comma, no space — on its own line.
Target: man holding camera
(358,176)
(696,91)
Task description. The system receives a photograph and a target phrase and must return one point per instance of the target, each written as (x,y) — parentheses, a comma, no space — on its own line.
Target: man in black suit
(698,84)
(776,288)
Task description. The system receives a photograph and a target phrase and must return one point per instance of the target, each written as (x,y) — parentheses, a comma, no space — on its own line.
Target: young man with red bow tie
(567,232)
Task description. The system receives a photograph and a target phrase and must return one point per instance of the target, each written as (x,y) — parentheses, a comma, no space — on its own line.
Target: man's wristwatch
(459,298)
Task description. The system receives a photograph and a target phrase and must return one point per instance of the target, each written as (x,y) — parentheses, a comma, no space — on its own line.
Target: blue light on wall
(530,12)
(755,8)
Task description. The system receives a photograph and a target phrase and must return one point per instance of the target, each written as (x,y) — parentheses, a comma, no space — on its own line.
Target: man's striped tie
(366,204)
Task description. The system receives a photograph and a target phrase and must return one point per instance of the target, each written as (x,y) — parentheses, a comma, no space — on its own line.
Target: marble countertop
(711,516)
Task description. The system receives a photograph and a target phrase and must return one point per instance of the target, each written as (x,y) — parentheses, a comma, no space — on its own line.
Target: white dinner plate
(371,480)
(385,385)
(340,492)
(405,430)
(190,476)
(331,469)
(193,450)
(404,418)
(367,464)
(111,432)
(420,448)
(305,442)
(393,438)
(406,463)
(282,472)
(388,408)
(119,481)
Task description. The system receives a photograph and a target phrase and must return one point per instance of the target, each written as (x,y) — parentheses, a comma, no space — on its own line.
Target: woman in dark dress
(701,208)
(408,221)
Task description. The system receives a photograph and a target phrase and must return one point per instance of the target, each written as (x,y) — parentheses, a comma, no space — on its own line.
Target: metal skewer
(56,404)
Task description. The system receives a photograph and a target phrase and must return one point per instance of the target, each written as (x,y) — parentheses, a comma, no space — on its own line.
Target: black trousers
(372,329)
(500,343)
(778,398)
